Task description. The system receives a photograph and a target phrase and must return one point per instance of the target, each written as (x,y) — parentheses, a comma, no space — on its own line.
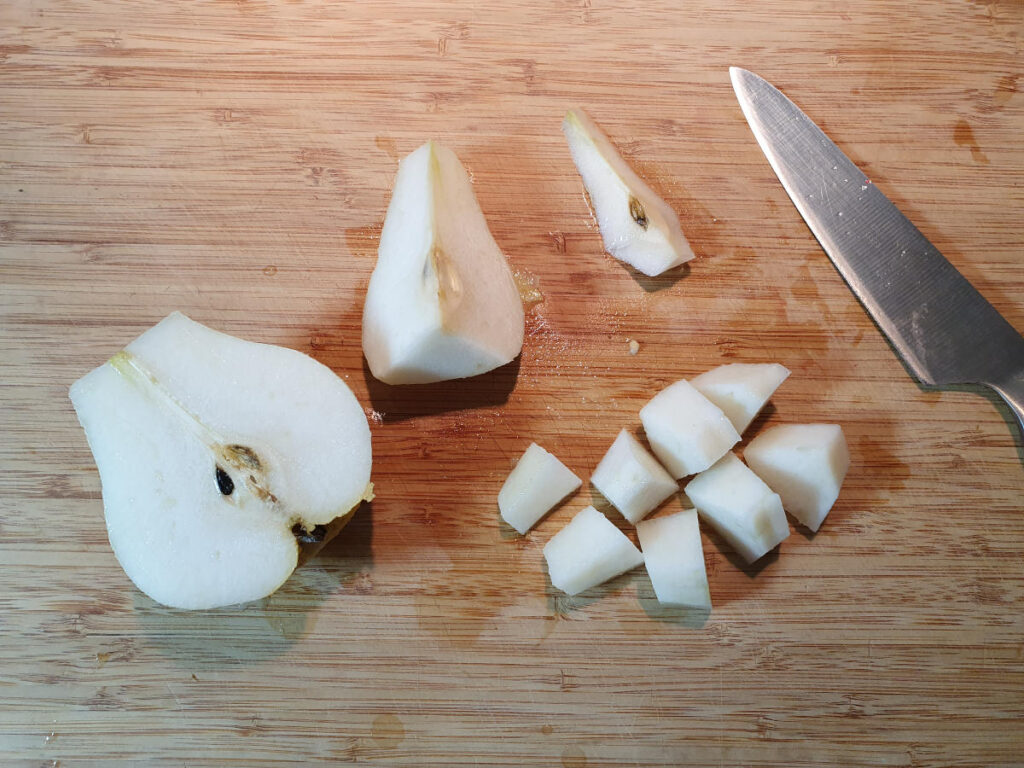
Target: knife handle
(1012,391)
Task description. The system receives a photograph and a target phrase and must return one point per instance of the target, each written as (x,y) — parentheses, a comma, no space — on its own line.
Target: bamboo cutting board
(233,160)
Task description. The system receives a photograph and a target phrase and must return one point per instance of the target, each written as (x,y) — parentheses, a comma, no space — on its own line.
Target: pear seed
(636,210)
(224,482)
(309,537)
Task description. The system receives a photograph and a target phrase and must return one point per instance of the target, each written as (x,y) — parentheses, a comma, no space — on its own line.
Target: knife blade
(942,328)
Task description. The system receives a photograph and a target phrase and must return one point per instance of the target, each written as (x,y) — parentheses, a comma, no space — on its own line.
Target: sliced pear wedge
(442,302)
(222,461)
(637,226)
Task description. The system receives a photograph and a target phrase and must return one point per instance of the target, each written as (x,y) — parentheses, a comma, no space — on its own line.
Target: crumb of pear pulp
(634,346)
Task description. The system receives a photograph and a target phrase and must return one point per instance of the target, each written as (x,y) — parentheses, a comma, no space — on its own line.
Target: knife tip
(736,74)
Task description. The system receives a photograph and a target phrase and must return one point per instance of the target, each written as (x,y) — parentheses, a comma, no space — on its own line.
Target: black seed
(636,210)
(224,482)
(309,537)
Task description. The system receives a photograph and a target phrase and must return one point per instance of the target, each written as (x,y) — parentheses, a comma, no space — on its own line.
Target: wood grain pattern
(233,159)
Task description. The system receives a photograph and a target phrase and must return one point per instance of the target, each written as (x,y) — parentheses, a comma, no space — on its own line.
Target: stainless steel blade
(945,331)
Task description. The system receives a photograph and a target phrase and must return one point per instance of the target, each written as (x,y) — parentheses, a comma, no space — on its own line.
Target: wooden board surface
(233,160)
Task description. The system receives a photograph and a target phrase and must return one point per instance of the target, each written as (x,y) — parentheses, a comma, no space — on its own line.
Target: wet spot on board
(574,757)
(387,145)
(963,135)
(388,731)
(1006,87)
(454,614)
(289,624)
(547,730)
(526,284)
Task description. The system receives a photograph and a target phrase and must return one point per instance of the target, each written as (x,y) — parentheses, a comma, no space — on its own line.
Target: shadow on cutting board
(658,282)
(263,629)
(561,605)
(691,618)
(408,401)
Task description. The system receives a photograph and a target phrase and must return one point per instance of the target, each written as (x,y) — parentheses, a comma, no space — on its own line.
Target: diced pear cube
(740,506)
(674,557)
(589,551)
(631,479)
(537,483)
(805,464)
(687,431)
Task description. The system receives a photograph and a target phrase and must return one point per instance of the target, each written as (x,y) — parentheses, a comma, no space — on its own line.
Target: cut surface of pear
(674,557)
(741,389)
(219,459)
(631,479)
(805,464)
(637,226)
(538,482)
(740,506)
(687,432)
(588,551)
(442,302)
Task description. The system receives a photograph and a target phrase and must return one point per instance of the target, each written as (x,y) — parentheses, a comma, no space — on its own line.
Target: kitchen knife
(944,330)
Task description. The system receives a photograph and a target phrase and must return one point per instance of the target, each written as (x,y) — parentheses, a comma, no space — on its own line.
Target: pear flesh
(631,479)
(442,302)
(220,460)
(637,226)
(589,551)
(745,511)
(805,464)
(687,432)
(674,556)
(741,390)
(538,482)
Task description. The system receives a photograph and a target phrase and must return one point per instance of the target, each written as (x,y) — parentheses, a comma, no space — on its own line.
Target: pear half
(221,461)
(442,302)
(637,226)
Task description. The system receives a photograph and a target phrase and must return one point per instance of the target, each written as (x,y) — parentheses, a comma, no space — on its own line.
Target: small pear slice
(637,226)
(221,461)
(741,389)
(442,302)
